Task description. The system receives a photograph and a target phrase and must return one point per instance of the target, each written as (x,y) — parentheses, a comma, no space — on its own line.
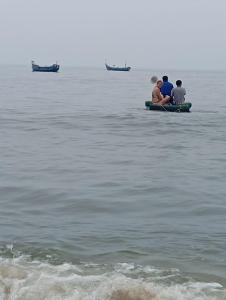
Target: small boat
(53,68)
(114,68)
(184,107)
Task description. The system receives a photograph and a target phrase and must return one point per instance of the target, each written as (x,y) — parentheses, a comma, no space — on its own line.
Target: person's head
(159,83)
(179,83)
(165,78)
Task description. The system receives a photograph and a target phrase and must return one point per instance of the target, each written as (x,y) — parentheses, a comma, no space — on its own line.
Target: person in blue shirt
(166,87)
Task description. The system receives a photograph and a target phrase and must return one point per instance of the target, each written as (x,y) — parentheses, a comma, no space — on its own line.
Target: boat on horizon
(114,68)
(53,68)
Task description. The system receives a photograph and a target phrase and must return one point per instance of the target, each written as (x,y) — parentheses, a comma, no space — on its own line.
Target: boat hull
(110,68)
(53,68)
(184,107)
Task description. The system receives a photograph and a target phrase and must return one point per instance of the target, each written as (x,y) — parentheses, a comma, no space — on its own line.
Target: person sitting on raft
(157,97)
(178,93)
(166,87)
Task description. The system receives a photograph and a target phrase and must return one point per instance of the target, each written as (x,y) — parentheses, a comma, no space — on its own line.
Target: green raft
(184,107)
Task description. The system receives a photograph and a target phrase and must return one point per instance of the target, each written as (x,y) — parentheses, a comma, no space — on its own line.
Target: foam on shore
(23,279)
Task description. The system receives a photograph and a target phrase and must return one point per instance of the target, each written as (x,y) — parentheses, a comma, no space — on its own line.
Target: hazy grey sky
(176,34)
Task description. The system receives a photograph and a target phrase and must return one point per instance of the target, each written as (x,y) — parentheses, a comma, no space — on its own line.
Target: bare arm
(158,94)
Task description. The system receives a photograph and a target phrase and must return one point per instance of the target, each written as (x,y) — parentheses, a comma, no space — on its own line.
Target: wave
(24,279)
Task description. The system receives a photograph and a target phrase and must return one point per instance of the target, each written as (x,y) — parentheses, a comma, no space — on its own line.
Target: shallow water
(101,199)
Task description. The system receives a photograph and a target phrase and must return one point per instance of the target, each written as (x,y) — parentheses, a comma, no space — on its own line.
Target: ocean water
(102,199)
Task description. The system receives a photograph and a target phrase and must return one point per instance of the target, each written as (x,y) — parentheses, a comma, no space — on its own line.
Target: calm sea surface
(101,199)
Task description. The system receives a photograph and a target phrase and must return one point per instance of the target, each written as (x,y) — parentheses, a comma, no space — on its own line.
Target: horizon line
(138,68)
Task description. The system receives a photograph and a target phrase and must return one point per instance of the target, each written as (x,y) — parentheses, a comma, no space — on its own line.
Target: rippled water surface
(101,199)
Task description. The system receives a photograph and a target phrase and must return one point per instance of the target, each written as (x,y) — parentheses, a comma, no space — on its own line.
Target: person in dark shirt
(166,87)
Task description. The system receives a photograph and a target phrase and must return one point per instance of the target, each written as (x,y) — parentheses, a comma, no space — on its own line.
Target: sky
(166,34)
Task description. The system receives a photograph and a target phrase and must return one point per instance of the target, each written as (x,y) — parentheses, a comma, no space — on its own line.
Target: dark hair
(165,78)
(178,82)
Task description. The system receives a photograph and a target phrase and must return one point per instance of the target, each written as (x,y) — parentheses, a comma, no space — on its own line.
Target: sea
(101,199)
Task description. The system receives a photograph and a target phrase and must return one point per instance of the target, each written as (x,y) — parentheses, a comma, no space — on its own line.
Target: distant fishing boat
(114,68)
(53,68)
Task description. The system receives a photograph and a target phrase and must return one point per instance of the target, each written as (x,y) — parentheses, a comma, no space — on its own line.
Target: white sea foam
(21,279)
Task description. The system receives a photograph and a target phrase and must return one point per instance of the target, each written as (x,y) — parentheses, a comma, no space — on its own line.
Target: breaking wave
(22,278)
